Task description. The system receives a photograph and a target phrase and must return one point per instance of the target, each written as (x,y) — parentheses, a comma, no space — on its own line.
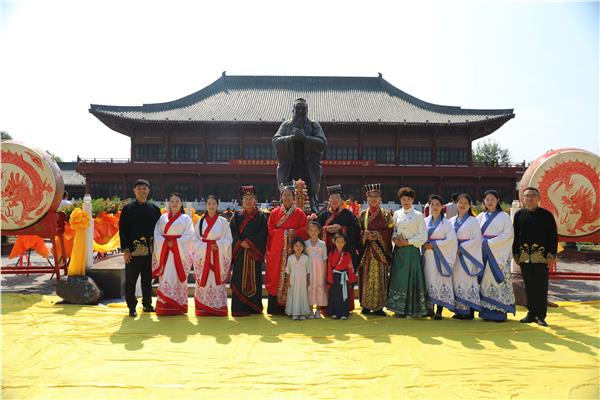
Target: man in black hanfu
(249,232)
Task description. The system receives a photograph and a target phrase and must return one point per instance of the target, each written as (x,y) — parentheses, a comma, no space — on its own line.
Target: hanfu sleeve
(288,264)
(196,244)
(301,230)
(449,245)
(329,272)
(324,251)
(188,233)
(474,235)
(351,274)
(157,245)
(235,236)
(187,241)
(421,236)
(353,238)
(505,238)
(473,244)
(307,264)
(224,244)
(258,238)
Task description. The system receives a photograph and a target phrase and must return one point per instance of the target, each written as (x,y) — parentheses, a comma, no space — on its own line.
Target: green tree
(489,152)
(5,136)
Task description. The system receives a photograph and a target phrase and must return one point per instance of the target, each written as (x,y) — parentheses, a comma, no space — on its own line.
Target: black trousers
(535,277)
(139,265)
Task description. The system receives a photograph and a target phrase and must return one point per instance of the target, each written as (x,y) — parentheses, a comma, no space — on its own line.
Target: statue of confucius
(299,144)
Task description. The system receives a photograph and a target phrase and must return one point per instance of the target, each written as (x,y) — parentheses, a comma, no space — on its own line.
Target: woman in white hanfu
(439,255)
(172,258)
(212,261)
(468,265)
(496,292)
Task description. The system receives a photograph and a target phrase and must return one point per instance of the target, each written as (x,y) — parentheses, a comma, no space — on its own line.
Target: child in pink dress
(317,253)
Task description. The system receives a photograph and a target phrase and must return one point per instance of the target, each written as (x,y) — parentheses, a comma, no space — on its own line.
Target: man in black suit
(534,248)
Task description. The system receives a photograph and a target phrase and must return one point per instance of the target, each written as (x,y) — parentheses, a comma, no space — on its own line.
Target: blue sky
(540,58)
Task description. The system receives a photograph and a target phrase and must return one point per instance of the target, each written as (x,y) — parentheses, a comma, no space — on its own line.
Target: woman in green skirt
(407,290)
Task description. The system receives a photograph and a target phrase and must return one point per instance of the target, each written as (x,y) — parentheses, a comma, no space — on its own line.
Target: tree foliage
(489,152)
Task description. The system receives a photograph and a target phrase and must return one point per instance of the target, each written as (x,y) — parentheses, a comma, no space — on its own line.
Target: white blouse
(411,225)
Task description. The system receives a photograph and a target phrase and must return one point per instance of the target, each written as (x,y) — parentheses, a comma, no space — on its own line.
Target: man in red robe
(285,222)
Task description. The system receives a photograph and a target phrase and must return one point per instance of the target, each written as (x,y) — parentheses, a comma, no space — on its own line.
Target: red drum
(32,186)
(569,185)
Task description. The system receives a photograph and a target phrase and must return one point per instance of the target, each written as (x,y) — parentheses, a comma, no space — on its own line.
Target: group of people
(410,264)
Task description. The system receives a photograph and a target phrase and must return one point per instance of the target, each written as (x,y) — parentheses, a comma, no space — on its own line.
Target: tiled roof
(70,176)
(330,99)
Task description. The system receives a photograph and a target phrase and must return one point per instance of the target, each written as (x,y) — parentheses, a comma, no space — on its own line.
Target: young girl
(297,273)
(340,276)
(317,252)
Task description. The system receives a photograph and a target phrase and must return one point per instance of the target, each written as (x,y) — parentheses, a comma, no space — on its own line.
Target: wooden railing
(329,162)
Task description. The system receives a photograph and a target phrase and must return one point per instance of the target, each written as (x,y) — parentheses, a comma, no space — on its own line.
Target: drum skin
(32,186)
(569,184)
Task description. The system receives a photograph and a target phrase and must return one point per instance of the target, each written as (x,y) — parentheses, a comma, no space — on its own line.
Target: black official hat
(334,189)
(374,188)
(141,182)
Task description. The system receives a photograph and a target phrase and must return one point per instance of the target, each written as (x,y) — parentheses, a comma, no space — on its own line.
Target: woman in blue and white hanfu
(469,264)
(439,255)
(496,292)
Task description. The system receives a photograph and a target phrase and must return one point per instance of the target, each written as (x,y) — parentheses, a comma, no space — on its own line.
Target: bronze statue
(299,144)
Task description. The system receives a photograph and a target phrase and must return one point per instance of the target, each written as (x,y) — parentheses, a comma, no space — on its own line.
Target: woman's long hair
(496,195)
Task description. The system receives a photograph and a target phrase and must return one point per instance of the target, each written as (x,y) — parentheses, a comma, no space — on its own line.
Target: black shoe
(398,315)
(542,322)
(381,313)
(528,319)
(148,309)
(132,313)
(457,316)
(438,316)
(365,311)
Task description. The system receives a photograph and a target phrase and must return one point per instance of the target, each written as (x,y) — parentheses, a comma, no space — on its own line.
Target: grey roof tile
(331,99)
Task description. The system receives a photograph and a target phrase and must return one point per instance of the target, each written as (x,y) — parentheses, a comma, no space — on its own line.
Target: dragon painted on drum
(23,191)
(569,190)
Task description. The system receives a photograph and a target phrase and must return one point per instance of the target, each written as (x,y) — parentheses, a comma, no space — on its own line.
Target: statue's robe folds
(300,159)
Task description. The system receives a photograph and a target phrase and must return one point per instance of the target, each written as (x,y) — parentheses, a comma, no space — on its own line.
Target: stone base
(78,290)
(109,274)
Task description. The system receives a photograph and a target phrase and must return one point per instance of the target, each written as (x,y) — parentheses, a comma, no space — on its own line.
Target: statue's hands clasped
(298,134)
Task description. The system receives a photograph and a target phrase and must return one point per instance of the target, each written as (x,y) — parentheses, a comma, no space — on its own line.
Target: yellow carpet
(74,352)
